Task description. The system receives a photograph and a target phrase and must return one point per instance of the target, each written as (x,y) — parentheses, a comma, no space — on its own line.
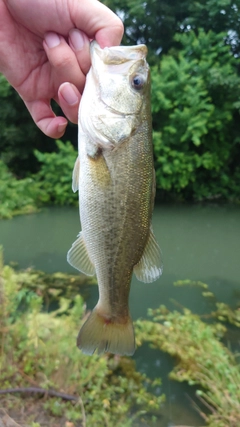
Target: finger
(80,44)
(99,22)
(63,60)
(110,36)
(69,99)
(45,118)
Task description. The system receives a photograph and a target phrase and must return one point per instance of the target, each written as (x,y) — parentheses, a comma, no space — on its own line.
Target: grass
(38,349)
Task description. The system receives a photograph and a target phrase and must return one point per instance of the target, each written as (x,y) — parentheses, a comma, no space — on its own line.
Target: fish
(114,174)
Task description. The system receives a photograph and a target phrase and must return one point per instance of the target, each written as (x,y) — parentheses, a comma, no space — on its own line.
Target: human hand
(44,53)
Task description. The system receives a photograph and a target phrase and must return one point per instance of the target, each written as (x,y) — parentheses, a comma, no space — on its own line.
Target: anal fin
(149,267)
(78,257)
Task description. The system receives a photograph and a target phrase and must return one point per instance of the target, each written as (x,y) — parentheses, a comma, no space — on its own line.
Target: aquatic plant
(38,354)
(201,357)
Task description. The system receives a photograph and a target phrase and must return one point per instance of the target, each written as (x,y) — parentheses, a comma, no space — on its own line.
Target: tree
(155,22)
(218,16)
(18,133)
(151,22)
(196,102)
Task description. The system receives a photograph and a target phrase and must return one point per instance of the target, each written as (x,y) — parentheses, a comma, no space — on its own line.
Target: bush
(195,103)
(51,185)
(55,175)
(16,196)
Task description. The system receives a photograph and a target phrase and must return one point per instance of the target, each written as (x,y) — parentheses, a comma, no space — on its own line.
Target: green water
(198,242)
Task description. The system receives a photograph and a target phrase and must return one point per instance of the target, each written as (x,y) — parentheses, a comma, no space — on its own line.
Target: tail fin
(97,333)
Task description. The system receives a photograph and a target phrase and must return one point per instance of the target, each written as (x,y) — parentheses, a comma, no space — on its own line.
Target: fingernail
(52,39)
(77,39)
(61,127)
(69,94)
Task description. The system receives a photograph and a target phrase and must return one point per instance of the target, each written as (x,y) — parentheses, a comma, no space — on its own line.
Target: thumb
(98,22)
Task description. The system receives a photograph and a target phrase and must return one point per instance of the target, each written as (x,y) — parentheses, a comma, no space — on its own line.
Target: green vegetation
(55,175)
(19,135)
(195,97)
(38,349)
(17,196)
(202,359)
(156,23)
(194,51)
(51,185)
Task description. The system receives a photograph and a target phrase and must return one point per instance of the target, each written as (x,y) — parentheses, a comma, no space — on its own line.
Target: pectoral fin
(99,171)
(78,257)
(149,267)
(75,175)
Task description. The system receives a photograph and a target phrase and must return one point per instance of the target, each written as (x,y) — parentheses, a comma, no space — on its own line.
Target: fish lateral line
(114,172)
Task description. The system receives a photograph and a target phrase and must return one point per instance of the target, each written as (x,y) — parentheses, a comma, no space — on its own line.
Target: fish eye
(137,81)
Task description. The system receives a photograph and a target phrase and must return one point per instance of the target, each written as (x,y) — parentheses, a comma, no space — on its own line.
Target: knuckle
(119,27)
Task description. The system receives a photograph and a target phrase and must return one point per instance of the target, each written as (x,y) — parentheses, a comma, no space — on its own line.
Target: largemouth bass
(116,181)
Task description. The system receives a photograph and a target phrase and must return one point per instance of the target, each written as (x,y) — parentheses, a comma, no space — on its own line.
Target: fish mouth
(117,55)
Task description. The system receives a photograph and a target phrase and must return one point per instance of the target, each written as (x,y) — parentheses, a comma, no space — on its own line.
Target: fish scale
(116,193)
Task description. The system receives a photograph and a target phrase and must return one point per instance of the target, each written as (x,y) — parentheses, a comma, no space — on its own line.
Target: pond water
(198,242)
